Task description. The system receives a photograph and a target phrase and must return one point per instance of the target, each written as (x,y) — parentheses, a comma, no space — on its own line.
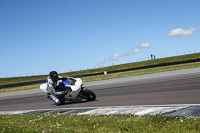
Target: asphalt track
(175,87)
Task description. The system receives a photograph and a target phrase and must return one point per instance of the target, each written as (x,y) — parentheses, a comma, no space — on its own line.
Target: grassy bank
(115,75)
(141,72)
(97,123)
(110,68)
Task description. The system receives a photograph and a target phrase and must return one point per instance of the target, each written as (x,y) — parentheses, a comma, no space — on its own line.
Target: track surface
(175,89)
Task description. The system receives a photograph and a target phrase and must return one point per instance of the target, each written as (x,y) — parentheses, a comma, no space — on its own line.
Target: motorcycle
(71,89)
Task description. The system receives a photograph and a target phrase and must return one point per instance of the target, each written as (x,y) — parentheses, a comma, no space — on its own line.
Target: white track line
(136,110)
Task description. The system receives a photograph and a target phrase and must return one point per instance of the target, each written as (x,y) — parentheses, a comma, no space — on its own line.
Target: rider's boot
(55,99)
(48,96)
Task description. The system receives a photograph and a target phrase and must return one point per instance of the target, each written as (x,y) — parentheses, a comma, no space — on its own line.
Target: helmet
(54,76)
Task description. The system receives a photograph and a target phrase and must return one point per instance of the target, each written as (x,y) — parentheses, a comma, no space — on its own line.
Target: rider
(53,82)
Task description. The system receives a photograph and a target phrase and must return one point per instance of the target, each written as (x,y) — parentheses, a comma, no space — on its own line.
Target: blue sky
(37,36)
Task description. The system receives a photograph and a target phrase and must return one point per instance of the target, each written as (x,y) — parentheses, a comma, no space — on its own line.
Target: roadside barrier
(22,83)
(102,73)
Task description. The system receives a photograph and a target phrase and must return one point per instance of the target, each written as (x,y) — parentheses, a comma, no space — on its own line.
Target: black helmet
(54,76)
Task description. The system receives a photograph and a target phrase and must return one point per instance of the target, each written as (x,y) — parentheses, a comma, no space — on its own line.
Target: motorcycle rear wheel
(88,94)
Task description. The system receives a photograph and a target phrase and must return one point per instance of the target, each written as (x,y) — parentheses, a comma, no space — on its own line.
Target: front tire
(61,99)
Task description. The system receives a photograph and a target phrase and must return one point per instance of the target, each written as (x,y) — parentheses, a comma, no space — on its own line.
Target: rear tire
(88,94)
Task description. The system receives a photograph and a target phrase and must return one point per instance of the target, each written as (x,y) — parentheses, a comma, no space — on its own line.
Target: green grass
(141,72)
(110,68)
(20,88)
(101,123)
(115,75)
(97,123)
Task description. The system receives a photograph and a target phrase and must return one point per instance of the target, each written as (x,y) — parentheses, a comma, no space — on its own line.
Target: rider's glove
(63,92)
(59,93)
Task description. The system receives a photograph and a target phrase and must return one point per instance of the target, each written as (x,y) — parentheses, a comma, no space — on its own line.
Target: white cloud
(127,53)
(181,32)
(136,50)
(100,63)
(115,56)
(132,51)
(145,45)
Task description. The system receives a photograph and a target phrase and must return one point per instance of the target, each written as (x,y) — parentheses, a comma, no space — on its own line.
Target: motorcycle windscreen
(61,87)
(66,82)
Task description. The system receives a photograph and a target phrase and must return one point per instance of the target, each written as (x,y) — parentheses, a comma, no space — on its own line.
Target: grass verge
(141,72)
(20,88)
(97,123)
(110,68)
(115,75)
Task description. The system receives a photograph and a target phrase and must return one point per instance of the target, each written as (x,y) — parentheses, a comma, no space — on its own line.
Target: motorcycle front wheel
(62,99)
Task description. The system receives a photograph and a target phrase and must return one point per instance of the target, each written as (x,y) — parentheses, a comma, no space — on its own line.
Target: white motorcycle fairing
(76,92)
(43,87)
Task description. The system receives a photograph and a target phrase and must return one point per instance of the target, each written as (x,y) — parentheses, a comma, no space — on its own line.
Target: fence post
(105,72)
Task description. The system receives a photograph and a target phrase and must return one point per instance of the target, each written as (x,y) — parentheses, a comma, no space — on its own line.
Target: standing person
(151,57)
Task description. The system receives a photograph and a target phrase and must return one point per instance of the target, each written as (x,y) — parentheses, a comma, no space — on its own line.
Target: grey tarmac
(181,87)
